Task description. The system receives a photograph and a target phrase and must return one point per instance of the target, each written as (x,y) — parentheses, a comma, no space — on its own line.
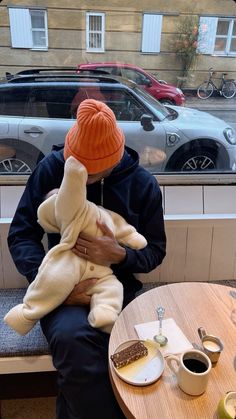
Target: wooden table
(191,305)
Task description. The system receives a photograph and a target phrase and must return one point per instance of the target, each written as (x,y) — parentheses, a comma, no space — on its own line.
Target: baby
(69,213)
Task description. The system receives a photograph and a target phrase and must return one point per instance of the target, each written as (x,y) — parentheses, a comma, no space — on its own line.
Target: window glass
(225,35)
(233,45)
(136,76)
(51,102)
(13,101)
(38,27)
(177,46)
(37,19)
(222,27)
(234,28)
(220,44)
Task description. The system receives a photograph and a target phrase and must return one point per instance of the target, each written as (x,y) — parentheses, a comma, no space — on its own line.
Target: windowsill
(93,51)
(163,179)
(39,49)
(196,179)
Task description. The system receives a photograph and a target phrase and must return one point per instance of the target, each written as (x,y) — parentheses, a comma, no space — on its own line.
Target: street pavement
(213,103)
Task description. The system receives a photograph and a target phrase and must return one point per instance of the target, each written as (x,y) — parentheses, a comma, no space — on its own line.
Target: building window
(28,28)
(151,34)
(217,36)
(95,32)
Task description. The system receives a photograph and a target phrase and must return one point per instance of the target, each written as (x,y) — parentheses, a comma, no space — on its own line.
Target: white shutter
(151,36)
(207,34)
(20,28)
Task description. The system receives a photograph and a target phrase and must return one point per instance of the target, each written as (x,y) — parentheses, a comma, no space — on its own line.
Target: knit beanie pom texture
(95,139)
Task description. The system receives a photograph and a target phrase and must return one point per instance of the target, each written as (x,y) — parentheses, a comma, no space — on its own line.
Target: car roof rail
(37,78)
(46,70)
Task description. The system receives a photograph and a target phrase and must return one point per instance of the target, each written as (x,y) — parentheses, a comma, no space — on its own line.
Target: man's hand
(79,294)
(103,250)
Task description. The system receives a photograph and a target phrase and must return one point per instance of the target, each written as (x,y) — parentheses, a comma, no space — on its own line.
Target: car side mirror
(147,83)
(147,122)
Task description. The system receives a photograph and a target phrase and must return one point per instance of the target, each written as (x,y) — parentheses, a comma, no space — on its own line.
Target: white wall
(200,225)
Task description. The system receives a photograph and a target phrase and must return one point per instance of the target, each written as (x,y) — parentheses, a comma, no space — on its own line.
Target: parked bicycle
(226,87)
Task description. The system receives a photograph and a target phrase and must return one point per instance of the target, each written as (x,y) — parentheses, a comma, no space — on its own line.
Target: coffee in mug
(195,365)
(192,370)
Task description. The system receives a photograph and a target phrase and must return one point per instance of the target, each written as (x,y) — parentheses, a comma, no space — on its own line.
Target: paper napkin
(177,341)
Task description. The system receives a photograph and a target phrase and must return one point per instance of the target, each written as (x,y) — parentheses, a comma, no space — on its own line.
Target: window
(217,36)
(28,28)
(95,28)
(134,75)
(53,102)
(151,35)
(13,101)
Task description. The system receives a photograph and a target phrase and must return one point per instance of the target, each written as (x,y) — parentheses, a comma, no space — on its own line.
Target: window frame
(45,29)
(21,17)
(228,37)
(90,31)
(208,35)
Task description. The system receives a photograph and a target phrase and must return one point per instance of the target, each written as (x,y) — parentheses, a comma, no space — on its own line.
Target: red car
(164,92)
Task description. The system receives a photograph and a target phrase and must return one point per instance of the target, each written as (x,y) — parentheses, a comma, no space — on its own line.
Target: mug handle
(171,360)
(201,332)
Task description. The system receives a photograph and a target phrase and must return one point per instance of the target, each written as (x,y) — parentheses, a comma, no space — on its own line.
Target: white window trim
(102,48)
(207,39)
(21,28)
(45,30)
(228,38)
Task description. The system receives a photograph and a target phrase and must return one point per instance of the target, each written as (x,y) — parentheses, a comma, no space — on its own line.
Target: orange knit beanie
(95,139)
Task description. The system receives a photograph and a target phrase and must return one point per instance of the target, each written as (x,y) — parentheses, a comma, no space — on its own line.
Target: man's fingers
(86,237)
(105,229)
(85,285)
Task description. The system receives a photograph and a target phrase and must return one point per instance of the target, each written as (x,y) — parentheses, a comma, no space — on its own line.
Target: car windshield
(157,108)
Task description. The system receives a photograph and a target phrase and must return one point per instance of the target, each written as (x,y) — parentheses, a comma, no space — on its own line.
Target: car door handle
(33,131)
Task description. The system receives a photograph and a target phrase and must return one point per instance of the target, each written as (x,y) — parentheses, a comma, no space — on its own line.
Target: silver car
(37,110)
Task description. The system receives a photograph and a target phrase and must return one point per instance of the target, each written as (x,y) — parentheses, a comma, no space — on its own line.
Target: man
(116,181)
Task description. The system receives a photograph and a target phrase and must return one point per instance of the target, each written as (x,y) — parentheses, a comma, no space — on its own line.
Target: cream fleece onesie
(70,213)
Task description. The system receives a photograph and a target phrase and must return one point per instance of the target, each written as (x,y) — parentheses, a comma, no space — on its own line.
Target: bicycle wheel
(205,90)
(228,89)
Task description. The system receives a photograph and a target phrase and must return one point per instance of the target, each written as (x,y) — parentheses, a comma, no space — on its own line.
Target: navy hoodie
(129,190)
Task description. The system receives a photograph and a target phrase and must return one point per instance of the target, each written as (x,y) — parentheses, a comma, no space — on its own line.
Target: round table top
(191,305)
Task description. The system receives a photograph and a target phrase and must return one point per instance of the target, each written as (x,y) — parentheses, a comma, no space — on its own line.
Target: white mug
(192,370)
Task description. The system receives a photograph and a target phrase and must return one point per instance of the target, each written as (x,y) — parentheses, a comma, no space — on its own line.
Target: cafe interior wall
(123,32)
(200,223)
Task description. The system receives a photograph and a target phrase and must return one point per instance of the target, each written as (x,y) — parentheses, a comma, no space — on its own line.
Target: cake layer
(130,354)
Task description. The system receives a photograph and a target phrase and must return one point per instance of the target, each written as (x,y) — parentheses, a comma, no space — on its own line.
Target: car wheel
(19,164)
(198,160)
(13,165)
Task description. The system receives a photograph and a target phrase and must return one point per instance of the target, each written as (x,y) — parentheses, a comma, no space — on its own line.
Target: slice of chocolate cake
(129,354)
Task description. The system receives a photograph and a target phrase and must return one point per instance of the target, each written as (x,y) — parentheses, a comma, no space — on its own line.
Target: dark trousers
(80,354)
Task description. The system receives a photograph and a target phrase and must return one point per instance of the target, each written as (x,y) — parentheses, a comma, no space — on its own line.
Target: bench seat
(21,354)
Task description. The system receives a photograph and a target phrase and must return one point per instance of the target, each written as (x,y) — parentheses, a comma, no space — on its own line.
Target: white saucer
(145,370)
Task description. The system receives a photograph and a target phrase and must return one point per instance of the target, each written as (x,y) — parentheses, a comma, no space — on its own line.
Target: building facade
(52,33)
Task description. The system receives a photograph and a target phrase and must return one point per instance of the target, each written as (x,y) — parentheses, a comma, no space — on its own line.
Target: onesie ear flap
(46,215)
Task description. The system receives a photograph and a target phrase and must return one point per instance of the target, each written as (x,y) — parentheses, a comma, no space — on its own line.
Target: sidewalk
(213,103)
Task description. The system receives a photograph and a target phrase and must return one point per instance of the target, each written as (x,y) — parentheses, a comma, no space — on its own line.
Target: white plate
(145,370)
